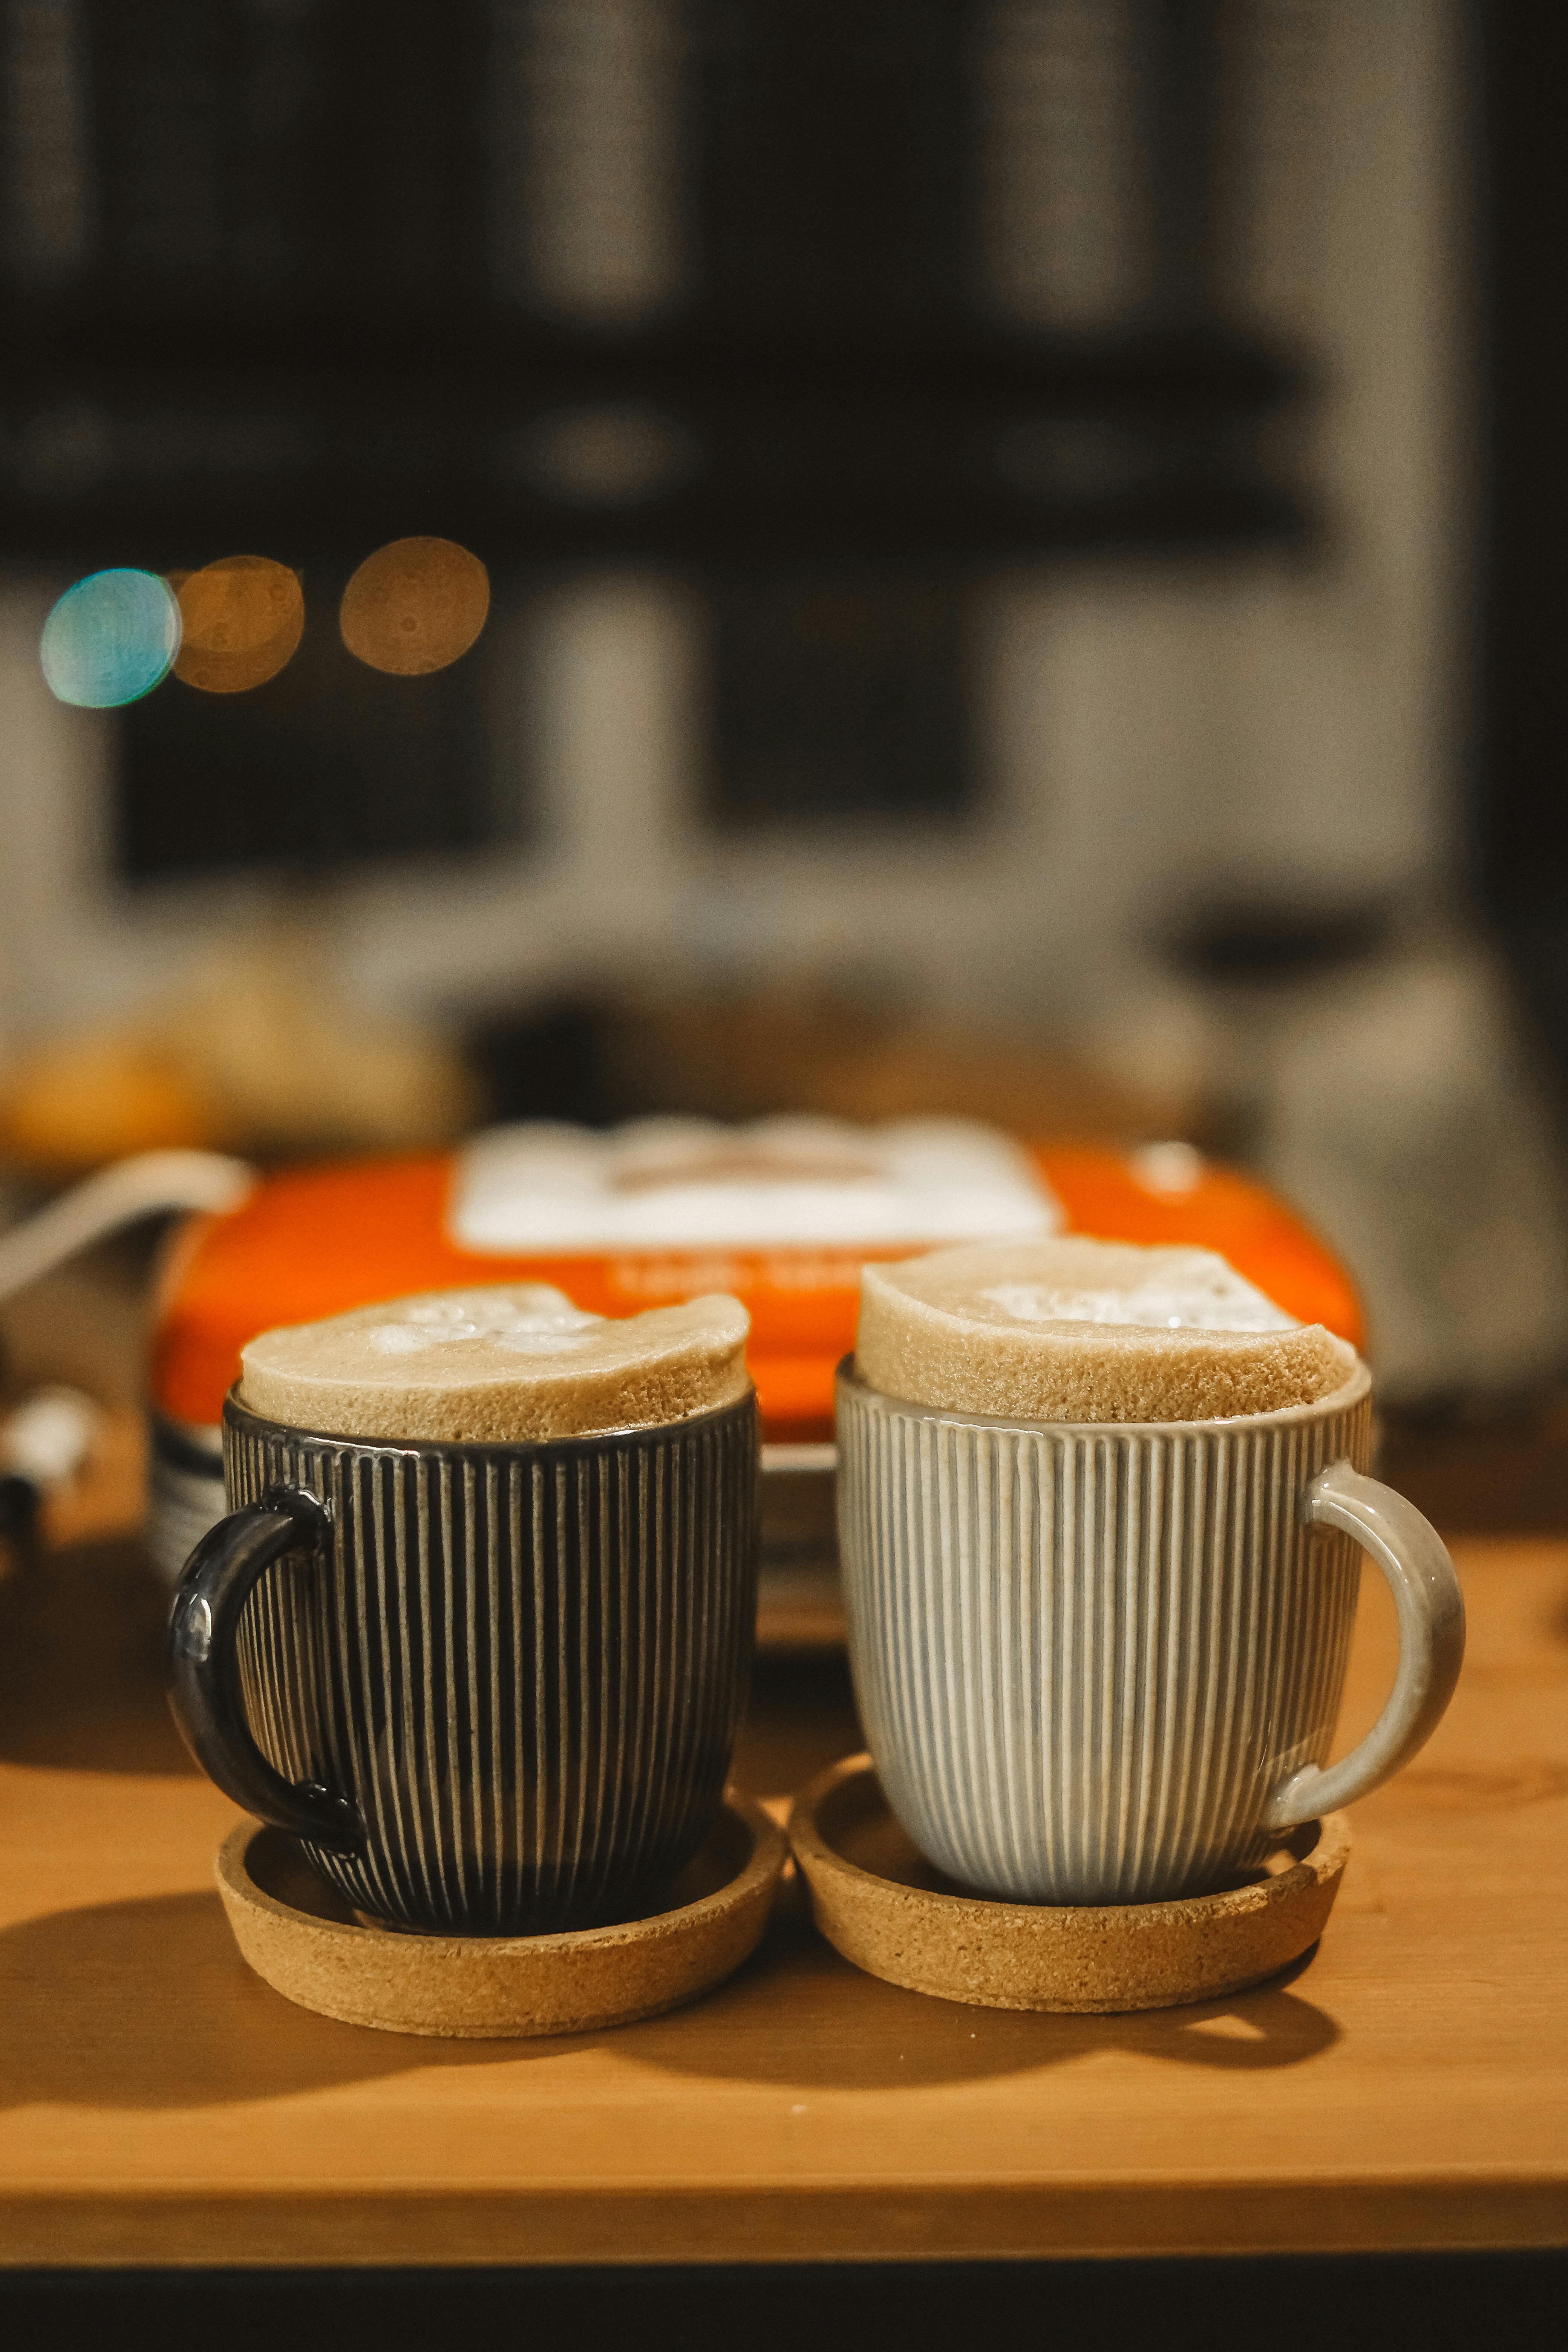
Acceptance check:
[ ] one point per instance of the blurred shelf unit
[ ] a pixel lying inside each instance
(828, 318)
(721, 283)
(683, 443)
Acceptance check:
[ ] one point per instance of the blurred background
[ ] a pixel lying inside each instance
(968, 555)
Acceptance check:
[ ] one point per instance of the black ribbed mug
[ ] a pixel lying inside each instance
(493, 1689)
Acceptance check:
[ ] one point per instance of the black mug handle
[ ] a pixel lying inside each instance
(203, 1666)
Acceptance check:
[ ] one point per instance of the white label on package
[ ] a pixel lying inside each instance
(545, 1191)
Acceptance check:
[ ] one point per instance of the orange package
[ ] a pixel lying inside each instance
(678, 1212)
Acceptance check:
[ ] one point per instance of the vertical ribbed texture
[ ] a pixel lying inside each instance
(524, 1666)
(1084, 1657)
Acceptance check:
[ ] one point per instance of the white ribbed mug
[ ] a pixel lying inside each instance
(1101, 1663)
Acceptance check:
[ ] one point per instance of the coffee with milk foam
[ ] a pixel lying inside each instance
(507, 1364)
(1077, 1330)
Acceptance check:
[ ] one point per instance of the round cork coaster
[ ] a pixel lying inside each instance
(298, 1936)
(884, 1907)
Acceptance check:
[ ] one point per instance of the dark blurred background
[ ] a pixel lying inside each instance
(1020, 536)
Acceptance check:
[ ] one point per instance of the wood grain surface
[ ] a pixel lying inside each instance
(1407, 2086)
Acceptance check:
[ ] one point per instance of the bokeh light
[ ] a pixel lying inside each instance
(415, 605)
(110, 639)
(243, 618)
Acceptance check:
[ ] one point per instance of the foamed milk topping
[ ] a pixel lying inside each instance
(510, 1363)
(1190, 1290)
(1080, 1330)
(537, 1321)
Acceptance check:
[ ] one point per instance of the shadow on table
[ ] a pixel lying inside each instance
(81, 1663)
(148, 2005)
(782, 2020)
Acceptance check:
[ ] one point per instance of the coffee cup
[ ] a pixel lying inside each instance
(1102, 1518)
(478, 1626)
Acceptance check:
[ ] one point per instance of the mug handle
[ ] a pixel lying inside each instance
(203, 1666)
(1420, 1575)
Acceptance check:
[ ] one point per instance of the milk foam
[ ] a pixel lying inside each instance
(1204, 1293)
(499, 1365)
(541, 1321)
(1073, 1329)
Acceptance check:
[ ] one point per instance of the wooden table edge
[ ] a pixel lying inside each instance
(806, 2222)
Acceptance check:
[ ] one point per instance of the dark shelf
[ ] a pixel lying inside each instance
(692, 446)
(275, 312)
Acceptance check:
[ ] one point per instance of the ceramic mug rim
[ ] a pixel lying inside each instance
(1351, 1393)
(239, 1416)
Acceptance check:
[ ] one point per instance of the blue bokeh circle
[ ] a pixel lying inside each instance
(110, 639)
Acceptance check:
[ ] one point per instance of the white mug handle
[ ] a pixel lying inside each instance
(1415, 1561)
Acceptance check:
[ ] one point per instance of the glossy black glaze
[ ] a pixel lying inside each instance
(204, 1674)
(519, 1667)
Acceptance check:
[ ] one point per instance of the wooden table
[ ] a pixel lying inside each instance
(1408, 2088)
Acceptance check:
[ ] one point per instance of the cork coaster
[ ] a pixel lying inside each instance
(299, 1936)
(884, 1907)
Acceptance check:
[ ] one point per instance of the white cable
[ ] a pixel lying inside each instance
(140, 1187)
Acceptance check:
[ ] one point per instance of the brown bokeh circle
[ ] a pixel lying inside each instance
(415, 605)
(241, 619)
